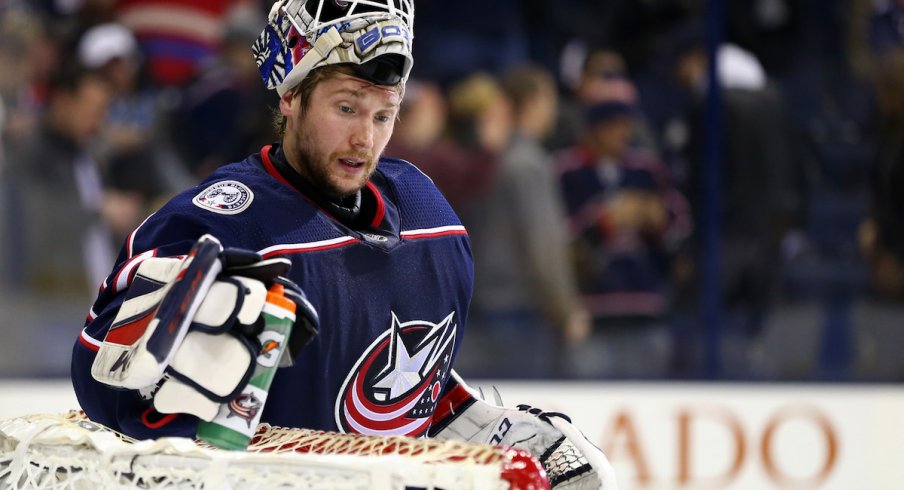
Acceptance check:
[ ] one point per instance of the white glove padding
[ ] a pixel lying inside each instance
(571, 461)
(210, 368)
(155, 315)
(209, 338)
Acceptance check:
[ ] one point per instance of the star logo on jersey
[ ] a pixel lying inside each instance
(394, 386)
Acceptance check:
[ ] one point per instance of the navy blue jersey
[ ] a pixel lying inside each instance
(392, 298)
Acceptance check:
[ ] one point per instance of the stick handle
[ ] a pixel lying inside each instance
(236, 422)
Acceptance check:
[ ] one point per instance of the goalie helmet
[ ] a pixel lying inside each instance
(301, 35)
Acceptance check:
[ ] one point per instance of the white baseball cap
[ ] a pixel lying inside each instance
(105, 42)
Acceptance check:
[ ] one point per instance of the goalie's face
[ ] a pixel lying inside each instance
(335, 142)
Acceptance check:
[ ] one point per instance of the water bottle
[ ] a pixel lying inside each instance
(237, 420)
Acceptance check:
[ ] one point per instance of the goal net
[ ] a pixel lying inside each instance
(68, 451)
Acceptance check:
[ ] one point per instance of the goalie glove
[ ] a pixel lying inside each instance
(186, 333)
(571, 461)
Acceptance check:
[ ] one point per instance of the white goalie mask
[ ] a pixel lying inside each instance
(301, 35)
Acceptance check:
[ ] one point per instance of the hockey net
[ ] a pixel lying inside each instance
(68, 451)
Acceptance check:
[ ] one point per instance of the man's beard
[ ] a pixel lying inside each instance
(315, 167)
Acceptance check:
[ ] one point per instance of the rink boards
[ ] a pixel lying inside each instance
(686, 436)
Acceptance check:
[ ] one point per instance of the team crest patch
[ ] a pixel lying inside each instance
(226, 197)
(394, 387)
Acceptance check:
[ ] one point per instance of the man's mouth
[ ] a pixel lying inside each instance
(352, 162)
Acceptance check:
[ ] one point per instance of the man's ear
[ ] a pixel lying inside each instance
(288, 103)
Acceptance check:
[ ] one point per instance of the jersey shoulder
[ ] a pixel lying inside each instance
(420, 202)
(240, 203)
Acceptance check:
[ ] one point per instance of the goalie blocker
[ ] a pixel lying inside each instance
(186, 333)
(571, 461)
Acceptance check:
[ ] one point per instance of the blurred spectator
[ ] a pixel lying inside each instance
(135, 169)
(882, 234)
(219, 117)
(759, 196)
(603, 76)
(804, 147)
(111, 50)
(29, 54)
(421, 122)
(626, 220)
(177, 38)
(834, 111)
(771, 30)
(525, 297)
(63, 245)
(463, 163)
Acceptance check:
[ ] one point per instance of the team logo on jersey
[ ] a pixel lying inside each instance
(226, 197)
(394, 387)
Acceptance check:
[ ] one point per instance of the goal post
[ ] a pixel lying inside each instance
(68, 451)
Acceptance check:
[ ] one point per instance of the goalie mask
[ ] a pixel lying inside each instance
(301, 35)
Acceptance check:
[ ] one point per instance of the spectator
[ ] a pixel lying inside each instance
(136, 170)
(463, 162)
(422, 120)
(882, 234)
(60, 244)
(177, 38)
(29, 53)
(219, 117)
(603, 76)
(626, 220)
(60, 192)
(525, 297)
(758, 193)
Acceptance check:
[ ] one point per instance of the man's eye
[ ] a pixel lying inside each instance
(384, 118)
(346, 109)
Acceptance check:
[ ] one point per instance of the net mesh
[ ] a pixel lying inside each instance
(68, 451)
(564, 462)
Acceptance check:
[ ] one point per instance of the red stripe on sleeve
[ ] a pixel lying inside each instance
(450, 403)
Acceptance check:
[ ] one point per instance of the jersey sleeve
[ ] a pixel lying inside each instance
(168, 233)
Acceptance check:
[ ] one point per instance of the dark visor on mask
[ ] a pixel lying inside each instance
(382, 70)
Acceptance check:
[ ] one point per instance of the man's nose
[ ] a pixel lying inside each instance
(363, 134)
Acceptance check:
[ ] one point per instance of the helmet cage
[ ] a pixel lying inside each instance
(302, 35)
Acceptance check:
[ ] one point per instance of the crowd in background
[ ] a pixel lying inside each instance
(576, 140)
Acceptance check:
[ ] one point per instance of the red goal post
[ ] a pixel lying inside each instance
(68, 451)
